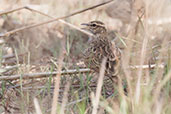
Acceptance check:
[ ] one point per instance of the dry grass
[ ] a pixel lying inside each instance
(146, 59)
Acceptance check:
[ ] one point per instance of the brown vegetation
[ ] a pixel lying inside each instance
(141, 29)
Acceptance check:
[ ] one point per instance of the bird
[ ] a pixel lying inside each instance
(100, 47)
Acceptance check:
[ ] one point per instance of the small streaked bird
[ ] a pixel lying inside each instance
(100, 47)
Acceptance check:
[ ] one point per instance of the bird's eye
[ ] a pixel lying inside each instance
(93, 25)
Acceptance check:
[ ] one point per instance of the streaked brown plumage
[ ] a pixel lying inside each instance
(99, 47)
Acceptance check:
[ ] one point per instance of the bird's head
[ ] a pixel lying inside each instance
(95, 27)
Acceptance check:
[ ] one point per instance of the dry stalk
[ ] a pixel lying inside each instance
(52, 20)
(10, 11)
(60, 20)
(65, 98)
(39, 12)
(57, 84)
(96, 99)
(142, 58)
(66, 72)
(44, 74)
(37, 106)
(160, 86)
(57, 81)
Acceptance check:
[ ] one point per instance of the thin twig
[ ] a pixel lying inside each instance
(11, 56)
(67, 72)
(146, 66)
(44, 74)
(60, 20)
(41, 13)
(52, 20)
(7, 68)
(10, 11)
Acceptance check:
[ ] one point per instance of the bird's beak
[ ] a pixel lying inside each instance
(85, 26)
